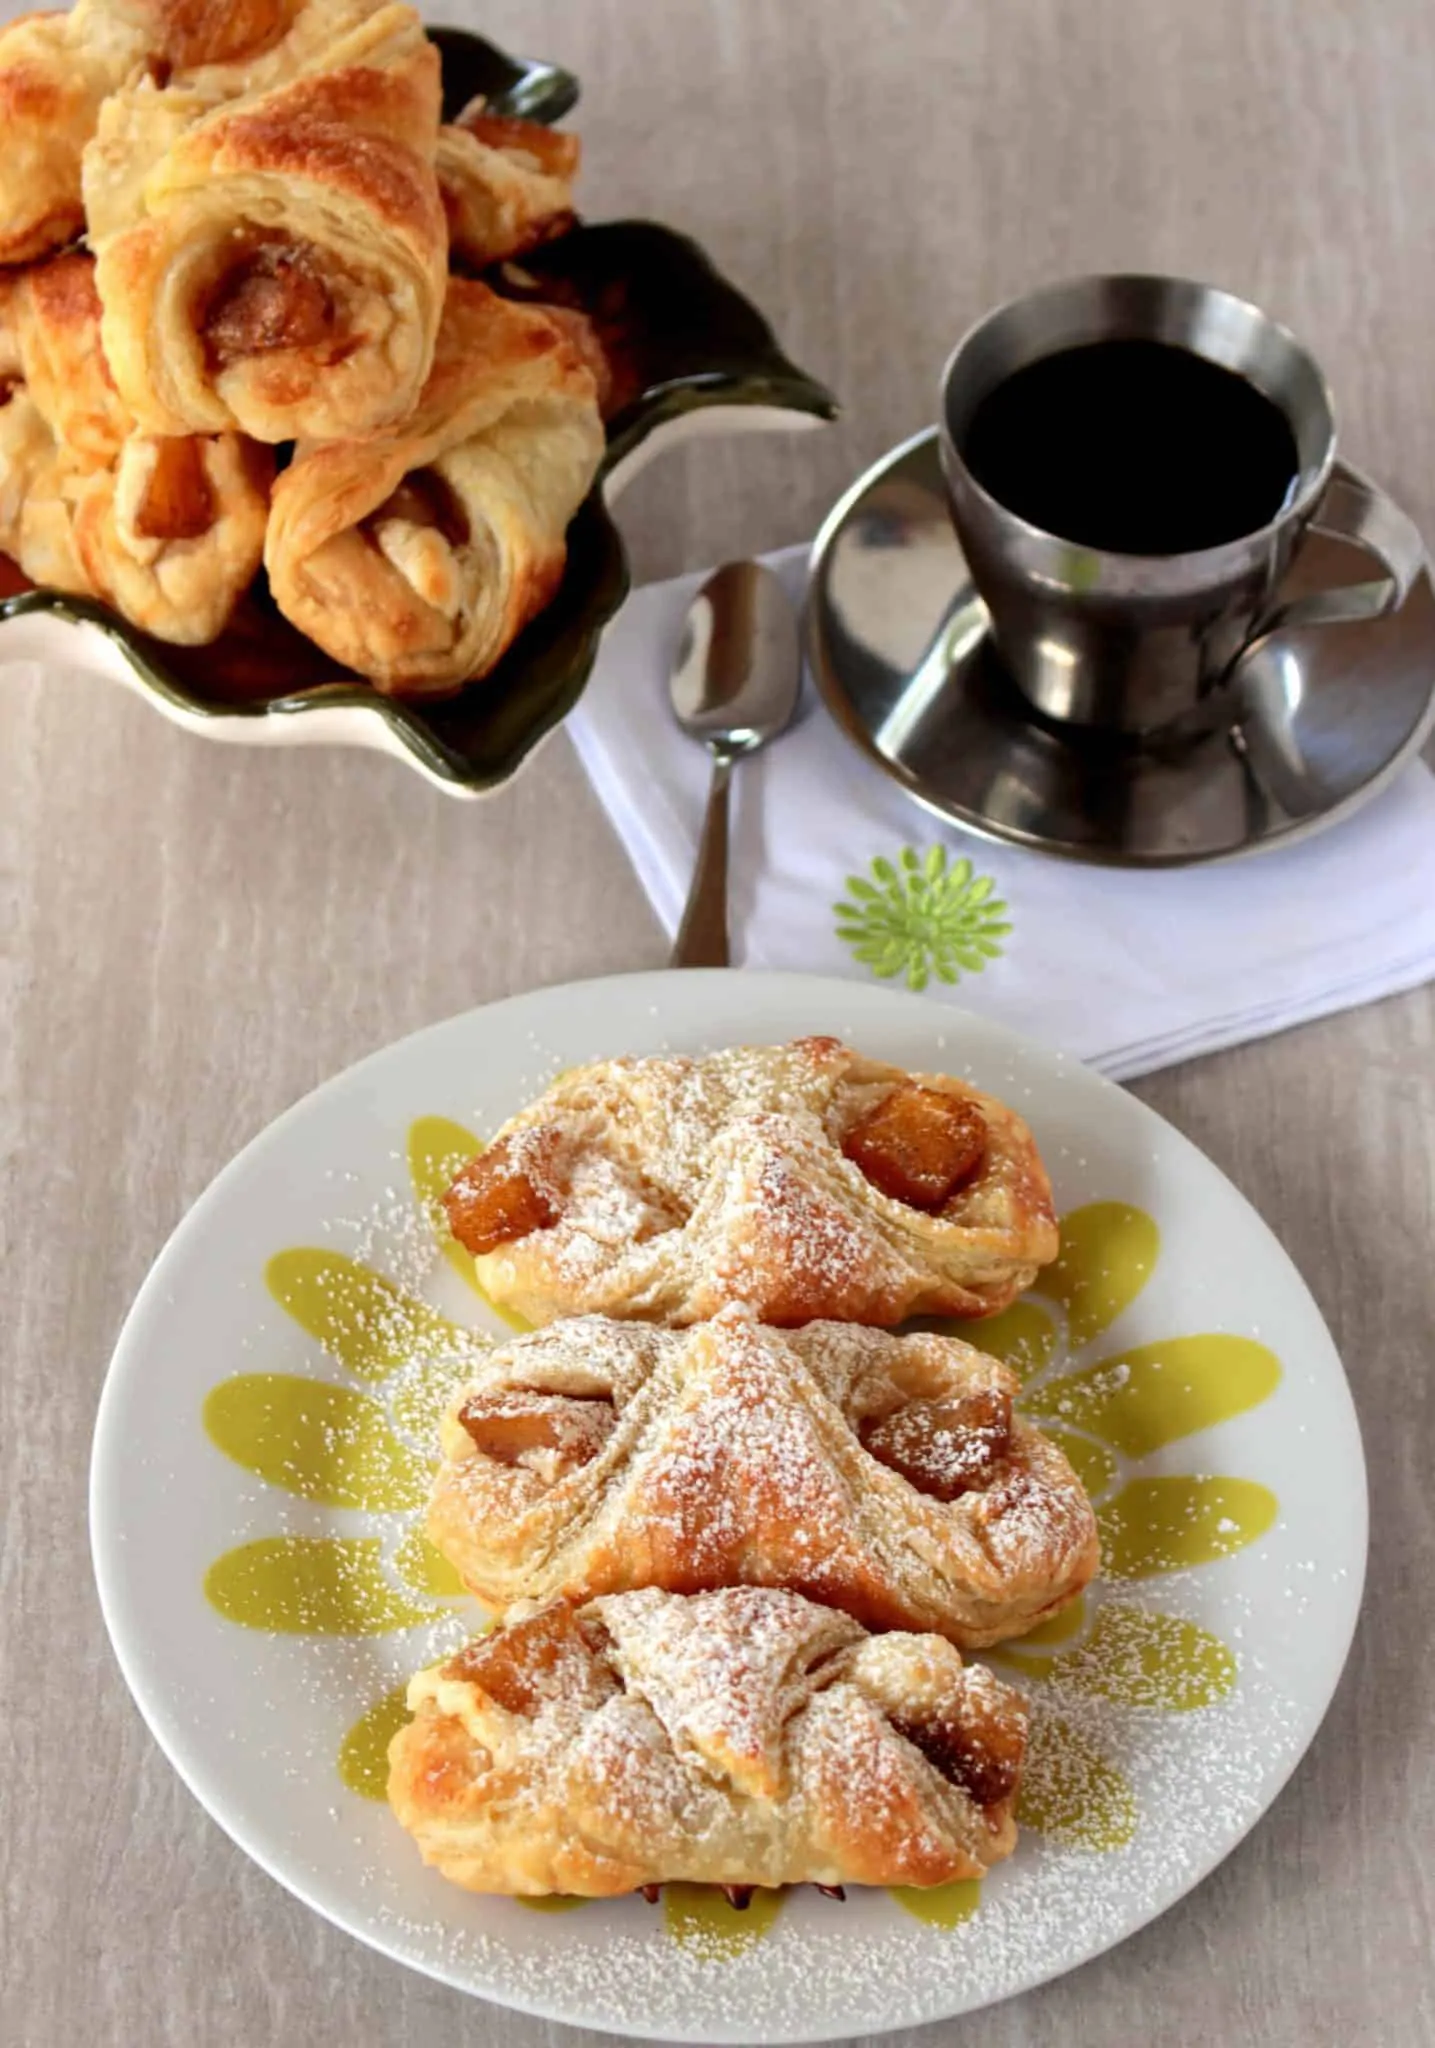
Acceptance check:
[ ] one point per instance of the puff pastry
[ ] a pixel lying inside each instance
(57, 69)
(507, 185)
(417, 555)
(276, 265)
(802, 1180)
(168, 531)
(883, 1475)
(744, 1737)
(50, 342)
(38, 487)
(172, 535)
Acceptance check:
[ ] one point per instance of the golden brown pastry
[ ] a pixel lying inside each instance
(742, 1738)
(169, 532)
(38, 489)
(51, 311)
(417, 555)
(276, 265)
(172, 535)
(177, 35)
(57, 69)
(507, 184)
(802, 1180)
(883, 1475)
(227, 48)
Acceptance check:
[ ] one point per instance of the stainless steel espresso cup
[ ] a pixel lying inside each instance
(1135, 642)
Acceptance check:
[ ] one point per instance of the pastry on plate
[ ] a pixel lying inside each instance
(169, 531)
(883, 1475)
(803, 1180)
(507, 184)
(417, 555)
(277, 264)
(743, 1738)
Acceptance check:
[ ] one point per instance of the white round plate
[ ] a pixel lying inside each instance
(1218, 1434)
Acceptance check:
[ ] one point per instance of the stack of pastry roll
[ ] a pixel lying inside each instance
(268, 199)
(690, 1518)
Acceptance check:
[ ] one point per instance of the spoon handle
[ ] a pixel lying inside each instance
(702, 936)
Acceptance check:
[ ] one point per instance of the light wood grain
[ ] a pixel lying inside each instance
(191, 937)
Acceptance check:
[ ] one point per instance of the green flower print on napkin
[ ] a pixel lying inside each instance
(921, 917)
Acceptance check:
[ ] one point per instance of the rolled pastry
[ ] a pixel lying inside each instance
(54, 73)
(416, 556)
(51, 316)
(57, 69)
(223, 57)
(740, 1738)
(38, 489)
(883, 1475)
(507, 185)
(168, 531)
(173, 534)
(277, 265)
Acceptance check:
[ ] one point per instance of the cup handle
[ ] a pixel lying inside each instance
(1355, 511)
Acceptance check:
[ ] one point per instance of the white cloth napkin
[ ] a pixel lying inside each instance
(1128, 971)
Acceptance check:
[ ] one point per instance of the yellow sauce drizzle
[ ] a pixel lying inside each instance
(306, 1585)
(361, 1319)
(1171, 1524)
(1022, 1336)
(1108, 1253)
(364, 1752)
(1070, 1793)
(1140, 1658)
(322, 1442)
(699, 1917)
(425, 1569)
(940, 1905)
(1139, 1400)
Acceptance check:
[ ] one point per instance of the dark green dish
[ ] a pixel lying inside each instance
(682, 338)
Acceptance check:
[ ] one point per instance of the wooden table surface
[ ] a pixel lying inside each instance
(191, 936)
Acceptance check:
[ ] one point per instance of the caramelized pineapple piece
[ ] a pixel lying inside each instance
(506, 1193)
(177, 503)
(944, 1448)
(919, 1146)
(550, 1434)
(523, 1663)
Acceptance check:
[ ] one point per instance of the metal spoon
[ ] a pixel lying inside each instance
(734, 686)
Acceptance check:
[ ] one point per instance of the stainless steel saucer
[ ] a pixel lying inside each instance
(897, 638)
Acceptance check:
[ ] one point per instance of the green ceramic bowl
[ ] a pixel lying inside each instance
(685, 341)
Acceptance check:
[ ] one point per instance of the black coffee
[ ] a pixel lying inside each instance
(1133, 446)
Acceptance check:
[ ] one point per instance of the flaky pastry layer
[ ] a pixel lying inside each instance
(744, 1737)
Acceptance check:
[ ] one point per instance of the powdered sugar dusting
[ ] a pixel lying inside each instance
(680, 1184)
(1199, 1781)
